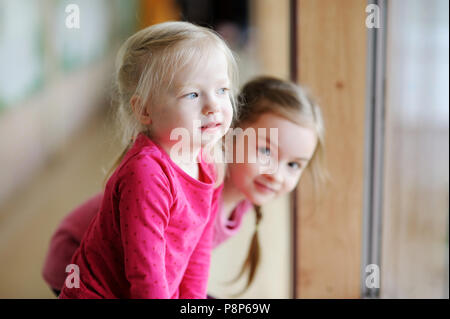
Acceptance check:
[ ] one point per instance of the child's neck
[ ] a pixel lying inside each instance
(231, 197)
(189, 167)
(192, 169)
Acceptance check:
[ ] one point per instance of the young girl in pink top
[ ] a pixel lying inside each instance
(152, 235)
(265, 103)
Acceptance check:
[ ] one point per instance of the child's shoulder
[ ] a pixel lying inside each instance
(142, 162)
(142, 171)
(143, 159)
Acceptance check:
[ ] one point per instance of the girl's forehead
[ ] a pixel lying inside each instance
(291, 139)
(268, 120)
(289, 120)
(211, 66)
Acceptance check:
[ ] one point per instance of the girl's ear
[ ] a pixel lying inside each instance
(139, 110)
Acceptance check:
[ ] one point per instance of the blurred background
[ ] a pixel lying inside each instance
(380, 74)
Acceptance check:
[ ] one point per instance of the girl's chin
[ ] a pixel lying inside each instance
(258, 199)
(210, 140)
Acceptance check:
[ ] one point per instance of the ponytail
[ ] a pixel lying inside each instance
(252, 261)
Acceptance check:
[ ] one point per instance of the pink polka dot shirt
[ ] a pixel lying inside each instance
(152, 236)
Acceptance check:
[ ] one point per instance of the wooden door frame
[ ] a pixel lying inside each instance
(328, 55)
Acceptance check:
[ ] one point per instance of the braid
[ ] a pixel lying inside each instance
(253, 256)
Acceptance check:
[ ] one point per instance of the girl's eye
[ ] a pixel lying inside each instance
(192, 95)
(222, 91)
(264, 150)
(294, 165)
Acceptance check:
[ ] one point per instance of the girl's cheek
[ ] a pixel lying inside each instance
(253, 169)
(228, 112)
(244, 176)
(292, 183)
(228, 122)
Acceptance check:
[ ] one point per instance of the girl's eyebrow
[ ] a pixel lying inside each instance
(181, 89)
(222, 81)
(267, 139)
(302, 159)
(183, 86)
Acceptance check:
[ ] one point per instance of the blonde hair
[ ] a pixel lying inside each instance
(147, 63)
(293, 102)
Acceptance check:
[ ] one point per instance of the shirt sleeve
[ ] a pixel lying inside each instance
(195, 280)
(144, 204)
(66, 240)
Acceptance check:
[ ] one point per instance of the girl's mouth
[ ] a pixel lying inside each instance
(210, 126)
(263, 188)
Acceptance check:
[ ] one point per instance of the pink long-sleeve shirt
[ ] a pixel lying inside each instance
(67, 237)
(152, 236)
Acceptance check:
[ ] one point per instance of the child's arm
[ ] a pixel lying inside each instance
(66, 240)
(145, 202)
(195, 280)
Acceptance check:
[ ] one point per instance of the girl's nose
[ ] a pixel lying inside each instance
(276, 177)
(211, 106)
